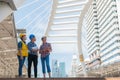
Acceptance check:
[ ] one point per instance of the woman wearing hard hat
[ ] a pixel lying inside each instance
(22, 53)
(33, 55)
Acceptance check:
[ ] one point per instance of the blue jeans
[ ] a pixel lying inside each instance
(43, 61)
(21, 63)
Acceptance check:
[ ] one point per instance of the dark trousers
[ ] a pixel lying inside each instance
(34, 59)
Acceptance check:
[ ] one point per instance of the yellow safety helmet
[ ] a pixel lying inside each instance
(21, 35)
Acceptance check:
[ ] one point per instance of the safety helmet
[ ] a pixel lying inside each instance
(21, 35)
(31, 36)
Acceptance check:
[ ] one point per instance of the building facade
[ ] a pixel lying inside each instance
(55, 68)
(58, 69)
(8, 39)
(109, 32)
(91, 23)
(62, 72)
(74, 65)
(8, 50)
(103, 32)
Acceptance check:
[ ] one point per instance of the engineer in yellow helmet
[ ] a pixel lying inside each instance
(22, 53)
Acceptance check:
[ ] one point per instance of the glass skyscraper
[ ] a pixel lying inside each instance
(62, 72)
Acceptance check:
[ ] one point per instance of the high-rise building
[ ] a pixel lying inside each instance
(118, 10)
(91, 23)
(103, 32)
(55, 68)
(74, 66)
(109, 31)
(62, 72)
(58, 69)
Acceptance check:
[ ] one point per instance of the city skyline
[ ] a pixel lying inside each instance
(58, 69)
(84, 35)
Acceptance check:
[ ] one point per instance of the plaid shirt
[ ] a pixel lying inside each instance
(43, 49)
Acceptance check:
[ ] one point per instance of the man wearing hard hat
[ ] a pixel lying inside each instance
(33, 55)
(22, 53)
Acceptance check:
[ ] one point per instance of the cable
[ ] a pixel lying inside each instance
(32, 12)
(27, 4)
(39, 21)
(36, 17)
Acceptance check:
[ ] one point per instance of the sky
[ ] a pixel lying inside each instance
(34, 17)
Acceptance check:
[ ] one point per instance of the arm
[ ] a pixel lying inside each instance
(30, 47)
(20, 49)
(49, 49)
(40, 50)
(35, 49)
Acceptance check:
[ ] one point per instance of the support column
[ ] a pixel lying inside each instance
(79, 32)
